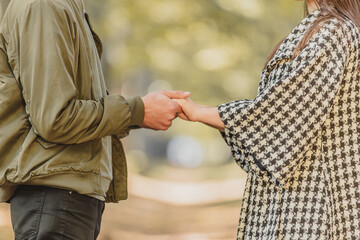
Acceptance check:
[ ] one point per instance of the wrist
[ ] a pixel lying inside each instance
(201, 113)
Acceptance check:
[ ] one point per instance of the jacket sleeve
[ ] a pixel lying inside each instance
(271, 134)
(47, 56)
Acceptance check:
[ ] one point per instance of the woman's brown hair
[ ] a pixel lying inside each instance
(340, 9)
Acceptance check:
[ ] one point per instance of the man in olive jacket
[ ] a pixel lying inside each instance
(60, 153)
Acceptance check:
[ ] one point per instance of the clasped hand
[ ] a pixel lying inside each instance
(161, 108)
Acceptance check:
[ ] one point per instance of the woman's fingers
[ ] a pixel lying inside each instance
(183, 116)
(188, 109)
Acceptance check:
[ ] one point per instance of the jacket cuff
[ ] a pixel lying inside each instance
(137, 111)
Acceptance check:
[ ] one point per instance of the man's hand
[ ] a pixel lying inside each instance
(160, 110)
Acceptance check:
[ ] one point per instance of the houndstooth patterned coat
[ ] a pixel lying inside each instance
(299, 139)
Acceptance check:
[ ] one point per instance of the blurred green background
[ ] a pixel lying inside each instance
(183, 183)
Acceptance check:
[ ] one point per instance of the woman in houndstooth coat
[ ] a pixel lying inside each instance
(299, 139)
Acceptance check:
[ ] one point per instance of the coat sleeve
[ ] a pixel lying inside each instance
(271, 134)
(47, 56)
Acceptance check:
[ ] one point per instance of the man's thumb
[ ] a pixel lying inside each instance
(176, 94)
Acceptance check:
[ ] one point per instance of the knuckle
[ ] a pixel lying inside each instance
(171, 116)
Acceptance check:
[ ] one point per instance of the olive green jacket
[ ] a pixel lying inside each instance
(56, 117)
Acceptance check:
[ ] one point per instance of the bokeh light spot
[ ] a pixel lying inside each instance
(183, 151)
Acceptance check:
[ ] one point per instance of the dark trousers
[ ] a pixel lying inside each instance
(43, 213)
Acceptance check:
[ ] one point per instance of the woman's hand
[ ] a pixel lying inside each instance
(191, 110)
(200, 113)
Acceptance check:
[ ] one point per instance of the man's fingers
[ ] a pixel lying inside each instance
(176, 107)
(179, 109)
(176, 94)
(179, 101)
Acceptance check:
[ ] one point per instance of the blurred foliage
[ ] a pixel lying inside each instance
(215, 49)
